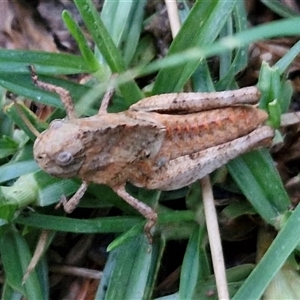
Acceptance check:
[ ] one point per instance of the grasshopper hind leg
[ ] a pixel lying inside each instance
(187, 169)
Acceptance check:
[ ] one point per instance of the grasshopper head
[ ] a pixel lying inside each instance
(59, 150)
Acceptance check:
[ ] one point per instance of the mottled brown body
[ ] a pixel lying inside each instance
(152, 145)
(133, 146)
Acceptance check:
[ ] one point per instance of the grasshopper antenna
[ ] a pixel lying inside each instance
(64, 94)
(26, 120)
(107, 96)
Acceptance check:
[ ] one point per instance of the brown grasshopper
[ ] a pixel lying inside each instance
(163, 142)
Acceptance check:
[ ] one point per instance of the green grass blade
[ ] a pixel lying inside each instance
(8, 146)
(240, 59)
(17, 61)
(284, 27)
(283, 245)
(97, 225)
(22, 193)
(132, 265)
(213, 15)
(15, 255)
(108, 49)
(124, 22)
(21, 84)
(288, 58)
(16, 110)
(279, 8)
(81, 41)
(196, 54)
(14, 170)
(259, 181)
(100, 35)
(195, 265)
(8, 293)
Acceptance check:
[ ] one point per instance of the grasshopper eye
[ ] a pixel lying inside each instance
(64, 158)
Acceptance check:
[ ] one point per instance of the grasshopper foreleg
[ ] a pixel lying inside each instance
(71, 204)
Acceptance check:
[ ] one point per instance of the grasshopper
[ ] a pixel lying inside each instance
(163, 142)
